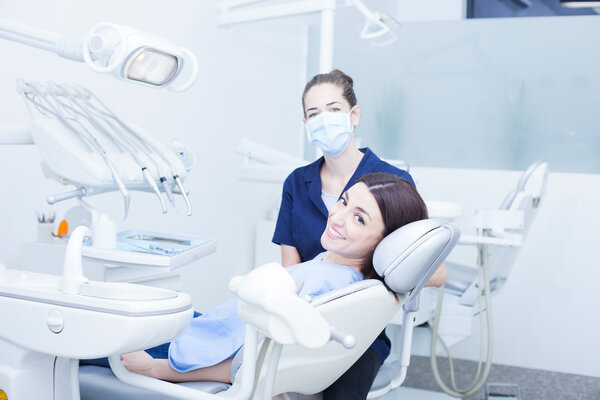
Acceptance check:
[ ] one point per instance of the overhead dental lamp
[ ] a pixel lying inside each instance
(121, 51)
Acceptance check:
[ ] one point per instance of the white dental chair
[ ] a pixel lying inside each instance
(406, 259)
(501, 233)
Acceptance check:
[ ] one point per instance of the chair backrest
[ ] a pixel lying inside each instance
(364, 313)
(532, 182)
(525, 197)
(406, 258)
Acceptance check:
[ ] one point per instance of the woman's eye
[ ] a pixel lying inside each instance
(359, 219)
(342, 200)
(334, 109)
(312, 114)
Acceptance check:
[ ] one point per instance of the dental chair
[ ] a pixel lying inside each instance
(499, 238)
(501, 234)
(309, 343)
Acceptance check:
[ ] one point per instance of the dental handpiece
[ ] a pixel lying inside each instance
(128, 147)
(167, 190)
(152, 184)
(85, 136)
(183, 193)
(148, 145)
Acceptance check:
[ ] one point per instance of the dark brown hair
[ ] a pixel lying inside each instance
(337, 78)
(399, 204)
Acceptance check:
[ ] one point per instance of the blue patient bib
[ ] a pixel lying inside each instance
(210, 339)
(217, 335)
(318, 277)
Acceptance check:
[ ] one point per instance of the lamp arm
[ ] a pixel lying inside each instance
(124, 52)
(364, 10)
(41, 39)
(28, 35)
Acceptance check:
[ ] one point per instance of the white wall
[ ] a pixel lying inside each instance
(546, 315)
(248, 86)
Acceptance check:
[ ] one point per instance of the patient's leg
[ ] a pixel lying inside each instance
(142, 363)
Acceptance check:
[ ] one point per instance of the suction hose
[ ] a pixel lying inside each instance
(479, 379)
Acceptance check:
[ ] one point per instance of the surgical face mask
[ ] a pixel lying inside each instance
(330, 131)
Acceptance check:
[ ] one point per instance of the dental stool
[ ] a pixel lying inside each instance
(353, 317)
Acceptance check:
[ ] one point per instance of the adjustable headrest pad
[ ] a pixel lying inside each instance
(407, 257)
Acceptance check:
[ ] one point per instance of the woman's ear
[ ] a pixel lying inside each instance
(355, 115)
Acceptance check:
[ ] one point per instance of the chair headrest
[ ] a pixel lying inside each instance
(407, 257)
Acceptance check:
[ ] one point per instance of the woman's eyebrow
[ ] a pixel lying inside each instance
(360, 209)
(328, 104)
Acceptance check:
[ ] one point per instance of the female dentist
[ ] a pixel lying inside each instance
(330, 114)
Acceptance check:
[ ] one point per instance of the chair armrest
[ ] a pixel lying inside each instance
(491, 240)
(499, 220)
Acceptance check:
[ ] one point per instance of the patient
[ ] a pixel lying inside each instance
(375, 206)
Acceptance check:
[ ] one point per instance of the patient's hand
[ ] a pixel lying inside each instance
(439, 277)
(138, 362)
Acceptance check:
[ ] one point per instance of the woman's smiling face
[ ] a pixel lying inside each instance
(354, 227)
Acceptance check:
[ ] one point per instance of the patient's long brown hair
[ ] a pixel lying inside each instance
(399, 204)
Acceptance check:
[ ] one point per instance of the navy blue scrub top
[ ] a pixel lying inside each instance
(303, 215)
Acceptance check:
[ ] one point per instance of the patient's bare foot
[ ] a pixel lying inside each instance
(139, 362)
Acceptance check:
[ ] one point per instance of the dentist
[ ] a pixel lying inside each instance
(331, 113)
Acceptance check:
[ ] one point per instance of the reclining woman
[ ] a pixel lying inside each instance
(372, 208)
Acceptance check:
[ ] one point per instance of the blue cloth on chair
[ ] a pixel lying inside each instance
(210, 339)
(217, 335)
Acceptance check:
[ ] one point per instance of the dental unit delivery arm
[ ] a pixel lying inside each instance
(81, 142)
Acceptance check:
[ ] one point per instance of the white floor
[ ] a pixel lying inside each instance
(403, 393)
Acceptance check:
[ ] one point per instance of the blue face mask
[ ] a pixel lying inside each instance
(330, 131)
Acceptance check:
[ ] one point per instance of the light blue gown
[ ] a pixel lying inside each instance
(217, 335)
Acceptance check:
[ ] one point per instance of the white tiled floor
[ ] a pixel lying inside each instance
(404, 393)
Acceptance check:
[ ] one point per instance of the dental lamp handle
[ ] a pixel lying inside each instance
(72, 271)
(347, 340)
